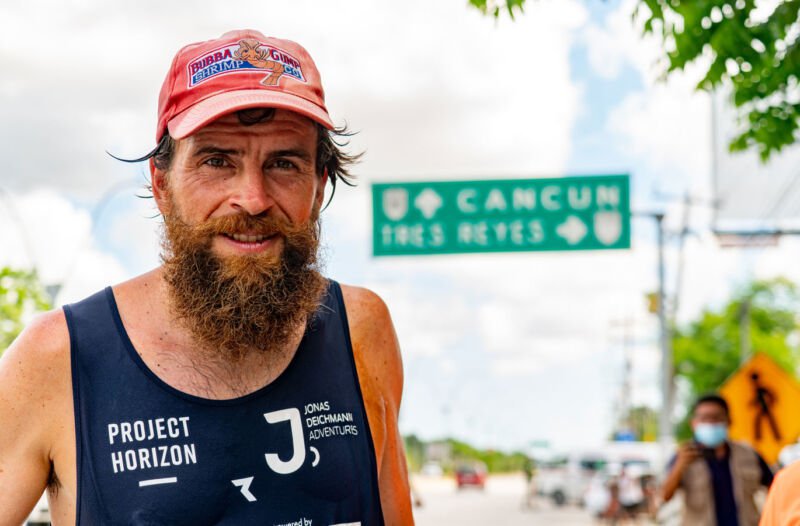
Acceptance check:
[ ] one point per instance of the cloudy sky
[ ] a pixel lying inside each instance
(499, 349)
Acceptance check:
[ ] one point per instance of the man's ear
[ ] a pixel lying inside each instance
(158, 184)
(320, 197)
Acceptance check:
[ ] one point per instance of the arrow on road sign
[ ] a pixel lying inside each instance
(573, 230)
(428, 202)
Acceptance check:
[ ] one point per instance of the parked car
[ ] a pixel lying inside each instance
(471, 474)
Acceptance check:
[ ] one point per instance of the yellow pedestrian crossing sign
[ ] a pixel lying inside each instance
(764, 402)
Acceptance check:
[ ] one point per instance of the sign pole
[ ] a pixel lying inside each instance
(744, 331)
(665, 418)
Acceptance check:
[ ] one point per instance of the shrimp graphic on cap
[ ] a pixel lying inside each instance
(250, 51)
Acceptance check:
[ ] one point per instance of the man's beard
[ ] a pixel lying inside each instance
(234, 305)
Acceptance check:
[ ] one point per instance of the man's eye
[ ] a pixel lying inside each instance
(215, 162)
(283, 164)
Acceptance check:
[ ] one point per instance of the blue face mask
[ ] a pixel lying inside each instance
(711, 435)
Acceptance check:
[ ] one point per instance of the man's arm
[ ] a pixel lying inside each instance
(32, 374)
(782, 507)
(380, 369)
(686, 455)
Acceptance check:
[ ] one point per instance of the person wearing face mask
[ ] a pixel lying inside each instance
(719, 477)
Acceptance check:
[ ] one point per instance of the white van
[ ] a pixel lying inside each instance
(567, 478)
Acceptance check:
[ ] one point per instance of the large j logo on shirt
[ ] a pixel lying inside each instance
(298, 444)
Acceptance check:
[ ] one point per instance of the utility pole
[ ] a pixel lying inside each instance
(744, 330)
(624, 420)
(665, 432)
(665, 420)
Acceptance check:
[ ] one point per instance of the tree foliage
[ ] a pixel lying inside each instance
(709, 350)
(415, 452)
(21, 295)
(642, 420)
(460, 452)
(495, 7)
(757, 55)
(758, 58)
(496, 461)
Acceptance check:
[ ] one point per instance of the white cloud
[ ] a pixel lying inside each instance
(668, 127)
(420, 322)
(449, 94)
(666, 124)
(54, 236)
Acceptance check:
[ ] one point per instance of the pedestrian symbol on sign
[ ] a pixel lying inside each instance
(764, 400)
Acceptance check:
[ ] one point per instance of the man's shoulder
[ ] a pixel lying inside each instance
(786, 482)
(37, 364)
(783, 506)
(44, 339)
(370, 322)
(372, 334)
(789, 475)
(364, 307)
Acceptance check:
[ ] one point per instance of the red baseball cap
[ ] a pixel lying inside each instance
(239, 70)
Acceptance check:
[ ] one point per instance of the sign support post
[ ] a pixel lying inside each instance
(665, 417)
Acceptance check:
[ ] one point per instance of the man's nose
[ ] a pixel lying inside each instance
(253, 194)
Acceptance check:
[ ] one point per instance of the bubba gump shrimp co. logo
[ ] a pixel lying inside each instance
(246, 56)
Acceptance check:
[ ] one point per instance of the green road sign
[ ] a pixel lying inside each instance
(508, 215)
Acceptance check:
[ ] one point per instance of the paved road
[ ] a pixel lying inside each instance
(500, 503)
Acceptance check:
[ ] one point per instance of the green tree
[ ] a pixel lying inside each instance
(643, 421)
(756, 55)
(496, 461)
(415, 452)
(709, 350)
(21, 295)
(494, 7)
(758, 58)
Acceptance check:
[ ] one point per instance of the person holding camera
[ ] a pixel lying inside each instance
(719, 477)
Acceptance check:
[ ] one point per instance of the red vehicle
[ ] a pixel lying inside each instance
(473, 474)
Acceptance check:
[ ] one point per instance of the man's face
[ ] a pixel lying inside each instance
(240, 205)
(709, 413)
(261, 170)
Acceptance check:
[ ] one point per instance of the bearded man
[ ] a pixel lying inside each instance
(234, 385)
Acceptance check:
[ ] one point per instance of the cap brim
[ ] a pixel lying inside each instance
(212, 108)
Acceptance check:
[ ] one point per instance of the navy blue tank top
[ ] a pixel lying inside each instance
(297, 452)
